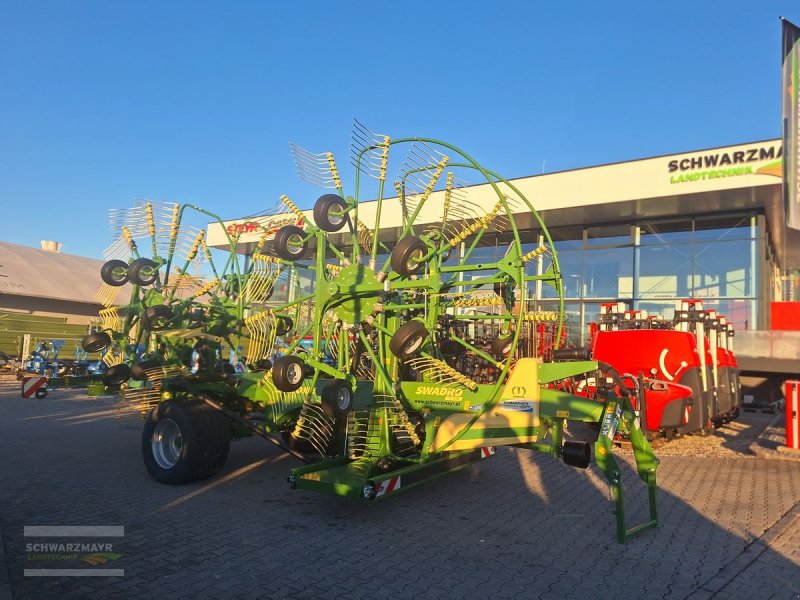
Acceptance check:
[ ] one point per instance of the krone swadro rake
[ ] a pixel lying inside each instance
(359, 371)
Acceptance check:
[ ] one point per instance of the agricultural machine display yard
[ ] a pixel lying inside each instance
(354, 374)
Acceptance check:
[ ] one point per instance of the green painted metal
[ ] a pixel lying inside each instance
(412, 416)
(618, 415)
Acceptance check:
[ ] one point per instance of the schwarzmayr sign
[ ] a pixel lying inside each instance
(715, 165)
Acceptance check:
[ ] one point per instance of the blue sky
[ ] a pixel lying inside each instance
(105, 102)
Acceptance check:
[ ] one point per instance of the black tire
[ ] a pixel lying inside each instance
(576, 454)
(96, 341)
(157, 317)
(408, 339)
(117, 374)
(41, 393)
(501, 347)
(404, 254)
(184, 441)
(264, 364)
(283, 325)
(337, 398)
(289, 242)
(143, 272)
(114, 272)
(288, 373)
(139, 370)
(330, 212)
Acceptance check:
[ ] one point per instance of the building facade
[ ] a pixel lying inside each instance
(706, 224)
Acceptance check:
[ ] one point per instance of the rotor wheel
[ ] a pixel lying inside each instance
(337, 398)
(407, 256)
(290, 243)
(139, 370)
(143, 272)
(96, 341)
(408, 339)
(117, 374)
(156, 317)
(114, 272)
(288, 373)
(330, 212)
(283, 325)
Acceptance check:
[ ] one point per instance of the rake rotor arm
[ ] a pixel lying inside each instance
(217, 405)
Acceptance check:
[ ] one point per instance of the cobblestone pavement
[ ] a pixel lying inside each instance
(520, 525)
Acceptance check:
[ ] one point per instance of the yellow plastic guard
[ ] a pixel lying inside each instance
(518, 408)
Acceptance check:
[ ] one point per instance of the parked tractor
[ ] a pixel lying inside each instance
(352, 376)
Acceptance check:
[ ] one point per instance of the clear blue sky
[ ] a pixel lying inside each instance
(193, 101)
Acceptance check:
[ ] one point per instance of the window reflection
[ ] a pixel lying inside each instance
(711, 258)
(723, 269)
(570, 265)
(608, 273)
(665, 271)
(665, 232)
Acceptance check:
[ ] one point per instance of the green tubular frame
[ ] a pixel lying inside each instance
(341, 474)
(353, 293)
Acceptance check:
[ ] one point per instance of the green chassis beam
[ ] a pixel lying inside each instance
(354, 478)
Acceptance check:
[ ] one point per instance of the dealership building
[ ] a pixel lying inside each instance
(706, 224)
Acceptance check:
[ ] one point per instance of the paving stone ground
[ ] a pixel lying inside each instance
(520, 525)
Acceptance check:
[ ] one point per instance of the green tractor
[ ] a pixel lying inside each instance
(357, 366)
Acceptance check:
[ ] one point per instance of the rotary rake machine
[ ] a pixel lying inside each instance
(355, 376)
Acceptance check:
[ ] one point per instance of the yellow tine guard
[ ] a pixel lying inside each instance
(334, 171)
(384, 157)
(291, 206)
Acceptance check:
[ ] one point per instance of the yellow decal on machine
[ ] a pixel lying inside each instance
(516, 410)
(523, 384)
(434, 390)
(440, 396)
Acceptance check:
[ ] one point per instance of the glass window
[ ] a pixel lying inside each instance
(724, 269)
(567, 238)
(591, 314)
(570, 266)
(609, 235)
(665, 271)
(481, 254)
(608, 273)
(665, 232)
(719, 228)
(572, 324)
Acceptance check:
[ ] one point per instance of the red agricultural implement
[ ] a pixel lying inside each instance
(688, 364)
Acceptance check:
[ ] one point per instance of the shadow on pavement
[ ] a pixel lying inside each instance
(520, 525)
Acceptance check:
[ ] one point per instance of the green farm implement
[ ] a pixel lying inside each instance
(341, 339)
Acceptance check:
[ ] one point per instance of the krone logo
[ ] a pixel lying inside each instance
(518, 391)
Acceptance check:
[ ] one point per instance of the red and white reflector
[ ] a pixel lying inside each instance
(488, 451)
(31, 385)
(387, 486)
